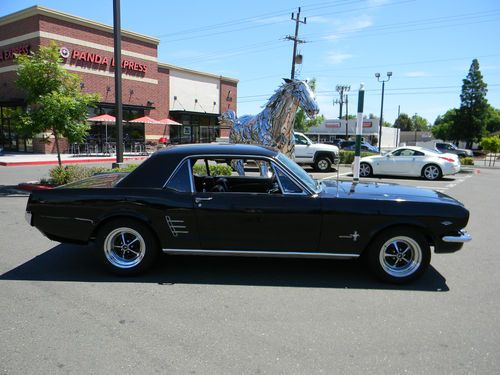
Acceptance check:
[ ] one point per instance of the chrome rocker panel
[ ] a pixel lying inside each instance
(277, 254)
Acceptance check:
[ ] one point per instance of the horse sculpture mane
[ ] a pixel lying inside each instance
(273, 126)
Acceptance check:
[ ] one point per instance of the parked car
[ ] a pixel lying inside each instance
(450, 148)
(365, 147)
(175, 202)
(410, 161)
(319, 155)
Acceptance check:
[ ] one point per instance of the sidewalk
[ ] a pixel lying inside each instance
(20, 159)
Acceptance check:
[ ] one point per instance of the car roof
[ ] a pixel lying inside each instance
(154, 171)
(217, 149)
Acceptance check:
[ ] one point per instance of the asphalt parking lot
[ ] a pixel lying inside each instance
(62, 313)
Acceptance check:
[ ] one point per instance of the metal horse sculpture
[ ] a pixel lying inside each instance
(273, 127)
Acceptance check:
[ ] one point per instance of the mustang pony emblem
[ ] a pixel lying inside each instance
(353, 236)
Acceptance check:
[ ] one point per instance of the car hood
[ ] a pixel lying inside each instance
(383, 191)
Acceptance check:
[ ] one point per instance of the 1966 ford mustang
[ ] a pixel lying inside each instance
(188, 200)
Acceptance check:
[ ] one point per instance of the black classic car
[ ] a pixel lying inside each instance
(188, 200)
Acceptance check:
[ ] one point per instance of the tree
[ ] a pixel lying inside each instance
(302, 123)
(419, 123)
(444, 126)
(404, 122)
(492, 119)
(55, 101)
(491, 144)
(470, 124)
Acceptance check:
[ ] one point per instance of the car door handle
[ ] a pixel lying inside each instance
(200, 199)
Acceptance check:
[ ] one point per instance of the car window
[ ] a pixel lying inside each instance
(286, 183)
(298, 171)
(181, 179)
(300, 140)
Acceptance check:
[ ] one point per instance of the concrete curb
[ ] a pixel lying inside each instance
(66, 161)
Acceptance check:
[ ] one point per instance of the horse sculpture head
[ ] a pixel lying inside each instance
(302, 92)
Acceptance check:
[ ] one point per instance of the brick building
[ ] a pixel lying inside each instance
(152, 88)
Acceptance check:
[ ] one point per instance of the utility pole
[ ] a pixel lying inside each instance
(346, 117)
(295, 39)
(341, 89)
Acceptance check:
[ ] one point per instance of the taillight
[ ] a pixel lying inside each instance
(447, 159)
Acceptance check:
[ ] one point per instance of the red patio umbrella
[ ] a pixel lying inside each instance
(104, 118)
(146, 120)
(168, 121)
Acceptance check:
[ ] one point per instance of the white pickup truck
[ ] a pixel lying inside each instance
(319, 155)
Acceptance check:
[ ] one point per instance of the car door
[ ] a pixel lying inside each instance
(303, 151)
(284, 221)
(400, 162)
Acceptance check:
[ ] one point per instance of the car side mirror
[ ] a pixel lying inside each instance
(388, 155)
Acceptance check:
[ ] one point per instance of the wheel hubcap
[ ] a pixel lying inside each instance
(364, 170)
(124, 247)
(400, 256)
(322, 164)
(431, 173)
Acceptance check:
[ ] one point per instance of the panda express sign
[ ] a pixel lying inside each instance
(73, 57)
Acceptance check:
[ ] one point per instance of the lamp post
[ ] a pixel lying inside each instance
(389, 74)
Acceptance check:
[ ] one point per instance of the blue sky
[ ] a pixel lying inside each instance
(428, 45)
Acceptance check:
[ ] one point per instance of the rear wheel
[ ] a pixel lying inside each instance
(365, 170)
(399, 255)
(432, 172)
(126, 246)
(323, 164)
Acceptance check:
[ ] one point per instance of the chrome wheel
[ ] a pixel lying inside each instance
(124, 247)
(400, 256)
(432, 172)
(365, 170)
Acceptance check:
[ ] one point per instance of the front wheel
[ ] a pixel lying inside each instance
(432, 172)
(126, 246)
(322, 164)
(399, 255)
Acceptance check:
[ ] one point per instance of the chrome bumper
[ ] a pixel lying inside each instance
(463, 237)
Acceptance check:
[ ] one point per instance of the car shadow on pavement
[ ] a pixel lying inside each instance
(79, 264)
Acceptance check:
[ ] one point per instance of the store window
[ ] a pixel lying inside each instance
(11, 137)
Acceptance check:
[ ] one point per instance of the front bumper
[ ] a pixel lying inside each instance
(462, 237)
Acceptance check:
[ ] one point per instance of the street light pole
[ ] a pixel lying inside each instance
(389, 74)
(118, 81)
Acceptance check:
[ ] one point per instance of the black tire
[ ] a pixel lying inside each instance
(398, 255)
(365, 170)
(134, 256)
(323, 164)
(432, 172)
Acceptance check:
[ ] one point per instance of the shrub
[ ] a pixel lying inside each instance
(347, 157)
(65, 174)
(215, 170)
(126, 168)
(467, 161)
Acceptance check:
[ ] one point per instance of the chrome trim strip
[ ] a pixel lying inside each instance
(249, 253)
(463, 237)
(83, 219)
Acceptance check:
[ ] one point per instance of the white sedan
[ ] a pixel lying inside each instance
(410, 161)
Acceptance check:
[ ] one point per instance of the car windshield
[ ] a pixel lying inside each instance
(299, 172)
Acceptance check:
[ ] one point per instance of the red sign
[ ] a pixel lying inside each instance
(332, 125)
(367, 124)
(8, 54)
(95, 58)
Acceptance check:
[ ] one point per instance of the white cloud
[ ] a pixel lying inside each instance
(270, 20)
(416, 74)
(335, 57)
(318, 19)
(349, 26)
